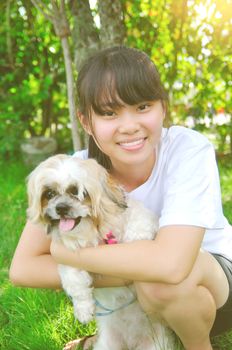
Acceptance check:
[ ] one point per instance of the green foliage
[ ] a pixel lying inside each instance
(32, 89)
(190, 41)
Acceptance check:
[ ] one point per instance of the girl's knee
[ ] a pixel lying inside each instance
(156, 296)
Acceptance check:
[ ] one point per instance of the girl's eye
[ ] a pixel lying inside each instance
(108, 114)
(143, 107)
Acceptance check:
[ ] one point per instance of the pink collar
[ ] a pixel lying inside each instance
(110, 238)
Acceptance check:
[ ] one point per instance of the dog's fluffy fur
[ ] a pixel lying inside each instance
(78, 203)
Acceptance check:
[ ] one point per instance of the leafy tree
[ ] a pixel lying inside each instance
(30, 78)
(190, 41)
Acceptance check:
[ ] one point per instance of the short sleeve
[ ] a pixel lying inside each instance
(192, 193)
(81, 154)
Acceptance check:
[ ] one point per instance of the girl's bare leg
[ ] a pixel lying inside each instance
(189, 308)
(196, 315)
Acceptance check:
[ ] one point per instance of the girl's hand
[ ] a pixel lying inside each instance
(61, 254)
(65, 256)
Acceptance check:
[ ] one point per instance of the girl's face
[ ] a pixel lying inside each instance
(128, 135)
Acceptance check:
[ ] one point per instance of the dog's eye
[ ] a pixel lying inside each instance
(73, 190)
(49, 194)
(85, 193)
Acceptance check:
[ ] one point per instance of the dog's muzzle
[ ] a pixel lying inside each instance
(64, 220)
(62, 209)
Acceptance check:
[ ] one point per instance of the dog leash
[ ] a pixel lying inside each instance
(111, 239)
(108, 311)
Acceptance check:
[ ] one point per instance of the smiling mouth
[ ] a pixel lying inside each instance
(132, 144)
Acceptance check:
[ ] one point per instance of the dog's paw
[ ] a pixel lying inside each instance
(84, 311)
(83, 315)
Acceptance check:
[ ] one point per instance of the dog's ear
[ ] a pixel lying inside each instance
(115, 192)
(107, 197)
(34, 196)
(92, 183)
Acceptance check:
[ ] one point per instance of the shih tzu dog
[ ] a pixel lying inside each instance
(80, 205)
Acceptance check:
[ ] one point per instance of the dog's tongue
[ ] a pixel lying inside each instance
(66, 224)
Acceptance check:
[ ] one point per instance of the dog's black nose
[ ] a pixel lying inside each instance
(62, 209)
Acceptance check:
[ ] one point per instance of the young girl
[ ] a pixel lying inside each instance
(185, 275)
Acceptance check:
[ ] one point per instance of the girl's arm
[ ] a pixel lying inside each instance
(33, 265)
(168, 259)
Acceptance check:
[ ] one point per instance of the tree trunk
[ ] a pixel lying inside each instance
(8, 35)
(71, 94)
(112, 23)
(84, 35)
(62, 30)
(60, 22)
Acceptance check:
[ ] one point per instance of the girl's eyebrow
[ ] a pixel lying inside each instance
(112, 105)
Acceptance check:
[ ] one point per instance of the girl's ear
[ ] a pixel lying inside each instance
(84, 122)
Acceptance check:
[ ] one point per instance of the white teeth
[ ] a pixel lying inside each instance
(133, 143)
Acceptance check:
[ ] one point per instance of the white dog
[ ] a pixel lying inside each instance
(80, 205)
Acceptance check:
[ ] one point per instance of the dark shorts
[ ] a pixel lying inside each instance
(223, 321)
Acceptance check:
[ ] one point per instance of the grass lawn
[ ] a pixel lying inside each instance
(36, 319)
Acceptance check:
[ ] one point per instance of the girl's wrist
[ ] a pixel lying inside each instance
(64, 256)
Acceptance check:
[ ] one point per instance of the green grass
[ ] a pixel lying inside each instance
(36, 319)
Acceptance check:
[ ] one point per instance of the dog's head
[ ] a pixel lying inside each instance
(64, 189)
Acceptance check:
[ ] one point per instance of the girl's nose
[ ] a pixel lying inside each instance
(128, 125)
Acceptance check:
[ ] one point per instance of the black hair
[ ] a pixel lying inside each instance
(112, 77)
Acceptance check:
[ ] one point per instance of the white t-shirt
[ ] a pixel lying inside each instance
(184, 187)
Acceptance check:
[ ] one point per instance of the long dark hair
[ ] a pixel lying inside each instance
(114, 76)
